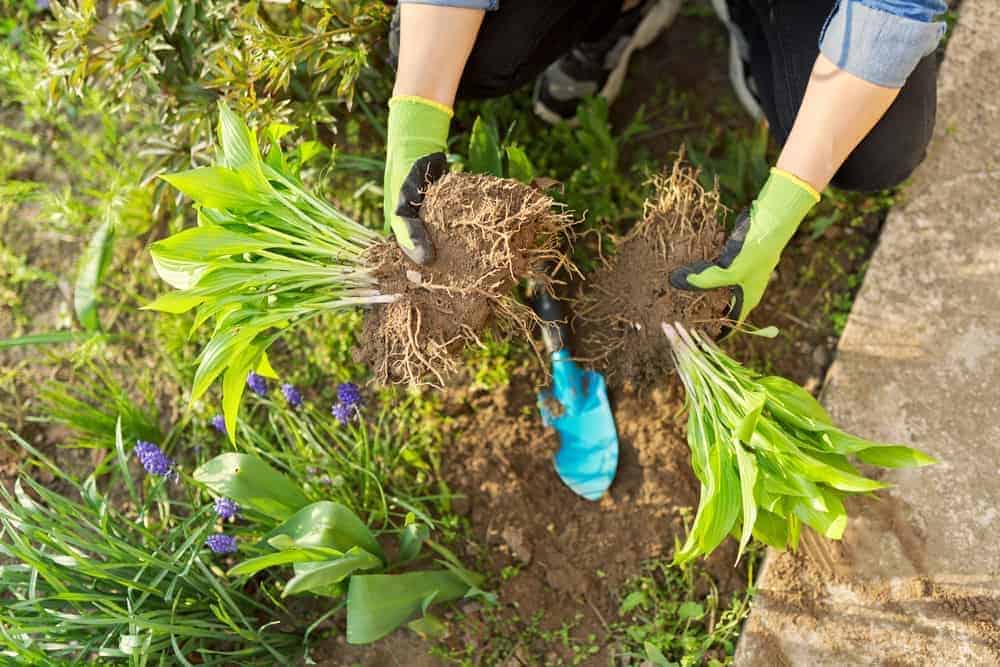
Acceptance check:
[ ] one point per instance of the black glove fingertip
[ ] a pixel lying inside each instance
(679, 277)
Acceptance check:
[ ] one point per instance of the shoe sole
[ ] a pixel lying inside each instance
(655, 22)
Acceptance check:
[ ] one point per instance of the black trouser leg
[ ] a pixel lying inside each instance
(524, 37)
(784, 41)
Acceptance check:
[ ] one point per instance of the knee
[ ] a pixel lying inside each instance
(880, 168)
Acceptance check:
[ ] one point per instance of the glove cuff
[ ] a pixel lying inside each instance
(417, 127)
(785, 199)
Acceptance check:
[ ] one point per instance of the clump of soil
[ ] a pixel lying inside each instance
(618, 315)
(488, 234)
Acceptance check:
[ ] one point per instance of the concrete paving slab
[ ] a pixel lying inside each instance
(916, 580)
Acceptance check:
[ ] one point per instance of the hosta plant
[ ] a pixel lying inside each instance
(265, 256)
(767, 454)
(332, 553)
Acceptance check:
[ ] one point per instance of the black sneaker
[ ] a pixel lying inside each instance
(598, 68)
(739, 61)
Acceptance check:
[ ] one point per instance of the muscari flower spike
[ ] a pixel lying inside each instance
(221, 543)
(226, 508)
(292, 395)
(343, 412)
(257, 384)
(349, 394)
(219, 424)
(153, 459)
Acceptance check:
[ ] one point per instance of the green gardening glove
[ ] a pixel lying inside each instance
(418, 136)
(753, 248)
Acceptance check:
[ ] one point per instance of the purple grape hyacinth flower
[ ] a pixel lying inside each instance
(257, 384)
(153, 459)
(219, 424)
(343, 412)
(221, 543)
(226, 508)
(292, 395)
(349, 394)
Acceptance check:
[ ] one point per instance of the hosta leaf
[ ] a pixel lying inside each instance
(748, 479)
(328, 524)
(174, 302)
(839, 479)
(253, 483)
(771, 529)
(484, 149)
(794, 399)
(377, 604)
(519, 167)
(754, 404)
(895, 456)
(234, 384)
(321, 576)
(223, 350)
(237, 142)
(208, 242)
(216, 187)
(830, 524)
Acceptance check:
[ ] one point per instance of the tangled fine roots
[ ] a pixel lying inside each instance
(618, 313)
(488, 234)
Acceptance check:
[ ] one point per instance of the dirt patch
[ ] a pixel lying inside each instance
(572, 556)
(488, 234)
(617, 317)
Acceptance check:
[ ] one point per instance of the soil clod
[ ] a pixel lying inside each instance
(488, 234)
(620, 309)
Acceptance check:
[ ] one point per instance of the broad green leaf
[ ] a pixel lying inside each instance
(633, 600)
(748, 479)
(771, 529)
(93, 263)
(377, 604)
(237, 141)
(753, 404)
(288, 556)
(411, 541)
(484, 149)
(839, 479)
(209, 242)
(898, 456)
(321, 576)
(234, 384)
(794, 399)
(309, 150)
(253, 483)
(831, 523)
(180, 274)
(174, 302)
(519, 167)
(328, 524)
(218, 187)
(224, 349)
(265, 369)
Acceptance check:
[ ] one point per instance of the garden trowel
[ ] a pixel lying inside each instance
(577, 408)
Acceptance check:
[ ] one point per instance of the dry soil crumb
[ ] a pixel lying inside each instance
(617, 317)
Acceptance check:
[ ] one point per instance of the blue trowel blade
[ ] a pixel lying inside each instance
(587, 458)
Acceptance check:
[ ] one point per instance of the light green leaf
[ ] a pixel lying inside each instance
(794, 399)
(288, 556)
(320, 577)
(218, 187)
(690, 610)
(234, 384)
(237, 141)
(411, 541)
(328, 524)
(93, 264)
(753, 405)
(771, 529)
(633, 600)
(224, 349)
(895, 456)
(748, 479)
(174, 302)
(252, 483)
(377, 604)
(655, 655)
(484, 149)
(265, 369)
(519, 167)
(428, 626)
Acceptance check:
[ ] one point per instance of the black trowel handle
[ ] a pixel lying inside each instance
(555, 333)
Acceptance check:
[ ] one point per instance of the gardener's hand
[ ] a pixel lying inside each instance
(752, 250)
(418, 135)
